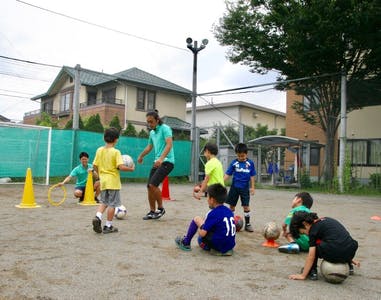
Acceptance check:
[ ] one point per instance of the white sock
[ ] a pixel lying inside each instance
(108, 223)
(99, 215)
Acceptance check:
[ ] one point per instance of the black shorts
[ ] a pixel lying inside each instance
(157, 175)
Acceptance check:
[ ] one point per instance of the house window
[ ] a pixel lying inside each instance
(47, 106)
(151, 99)
(146, 100)
(375, 152)
(311, 102)
(314, 155)
(109, 95)
(141, 100)
(365, 152)
(65, 101)
(91, 98)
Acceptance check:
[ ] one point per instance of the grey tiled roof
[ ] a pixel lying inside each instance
(133, 76)
(176, 123)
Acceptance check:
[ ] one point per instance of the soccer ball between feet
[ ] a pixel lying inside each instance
(334, 272)
(120, 212)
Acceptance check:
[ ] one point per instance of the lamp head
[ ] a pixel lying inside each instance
(189, 41)
(205, 42)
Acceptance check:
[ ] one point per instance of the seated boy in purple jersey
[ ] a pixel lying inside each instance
(217, 231)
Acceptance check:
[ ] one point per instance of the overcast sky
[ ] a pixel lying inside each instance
(147, 34)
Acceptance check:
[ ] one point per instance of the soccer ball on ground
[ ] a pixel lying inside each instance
(334, 272)
(127, 160)
(271, 231)
(238, 222)
(120, 212)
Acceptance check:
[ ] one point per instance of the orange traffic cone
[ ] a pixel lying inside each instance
(165, 190)
(89, 191)
(270, 244)
(28, 196)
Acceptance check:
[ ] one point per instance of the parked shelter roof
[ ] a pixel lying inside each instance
(281, 141)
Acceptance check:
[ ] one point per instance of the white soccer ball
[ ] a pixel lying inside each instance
(127, 160)
(334, 273)
(271, 231)
(120, 212)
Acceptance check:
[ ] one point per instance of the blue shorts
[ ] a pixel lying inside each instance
(235, 193)
(205, 242)
(157, 175)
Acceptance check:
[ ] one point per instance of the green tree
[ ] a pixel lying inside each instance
(143, 134)
(116, 123)
(310, 39)
(69, 124)
(94, 124)
(130, 130)
(46, 120)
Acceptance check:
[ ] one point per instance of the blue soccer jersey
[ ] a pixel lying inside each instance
(219, 223)
(241, 171)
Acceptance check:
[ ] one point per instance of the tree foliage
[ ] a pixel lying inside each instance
(94, 124)
(130, 130)
(69, 124)
(115, 122)
(230, 133)
(316, 40)
(46, 120)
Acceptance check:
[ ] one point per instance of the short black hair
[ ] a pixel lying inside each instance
(307, 200)
(82, 154)
(111, 134)
(297, 221)
(212, 148)
(241, 148)
(218, 192)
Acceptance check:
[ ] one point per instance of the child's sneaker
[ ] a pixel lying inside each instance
(110, 229)
(180, 243)
(292, 248)
(97, 225)
(351, 270)
(313, 275)
(218, 253)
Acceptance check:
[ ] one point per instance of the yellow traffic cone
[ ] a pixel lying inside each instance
(28, 196)
(89, 191)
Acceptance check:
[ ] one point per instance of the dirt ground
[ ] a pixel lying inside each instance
(51, 252)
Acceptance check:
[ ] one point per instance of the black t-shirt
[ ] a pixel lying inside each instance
(332, 239)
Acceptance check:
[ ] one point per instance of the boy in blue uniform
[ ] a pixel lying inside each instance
(217, 231)
(243, 171)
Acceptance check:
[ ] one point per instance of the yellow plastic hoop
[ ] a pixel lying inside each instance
(50, 198)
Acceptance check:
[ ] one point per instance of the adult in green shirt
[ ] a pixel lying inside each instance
(160, 140)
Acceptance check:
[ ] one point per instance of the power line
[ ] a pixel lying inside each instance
(16, 92)
(29, 62)
(270, 83)
(21, 97)
(102, 26)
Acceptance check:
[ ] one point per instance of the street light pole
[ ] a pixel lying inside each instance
(192, 45)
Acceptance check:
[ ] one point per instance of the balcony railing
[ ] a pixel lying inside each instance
(81, 105)
(101, 101)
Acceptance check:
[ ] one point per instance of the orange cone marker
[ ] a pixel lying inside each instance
(28, 196)
(165, 189)
(270, 244)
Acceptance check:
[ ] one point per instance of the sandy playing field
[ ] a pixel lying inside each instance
(52, 252)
